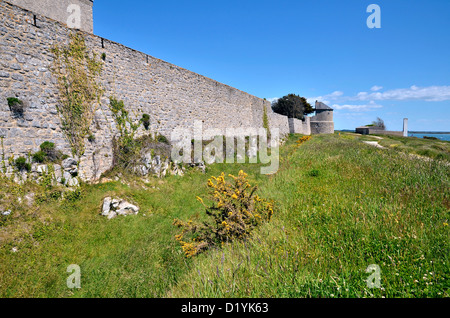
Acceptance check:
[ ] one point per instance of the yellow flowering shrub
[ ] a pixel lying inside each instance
(235, 212)
(302, 140)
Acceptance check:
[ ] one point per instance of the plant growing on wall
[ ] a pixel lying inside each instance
(126, 148)
(125, 124)
(22, 164)
(16, 106)
(146, 121)
(48, 153)
(266, 122)
(76, 70)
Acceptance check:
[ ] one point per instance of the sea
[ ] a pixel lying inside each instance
(441, 136)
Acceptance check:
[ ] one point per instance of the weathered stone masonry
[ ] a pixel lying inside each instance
(172, 96)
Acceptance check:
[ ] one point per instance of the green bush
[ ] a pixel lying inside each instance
(22, 164)
(47, 146)
(39, 157)
(146, 121)
(162, 139)
(73, 196)
(50, 151)
(235, 213)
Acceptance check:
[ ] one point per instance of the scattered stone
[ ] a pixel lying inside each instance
(72, 182)
(147, 160)
(6, 213)
(202, 167)
(58, 172)
(156, 165)
(164, 168)
(115, 207)
(70, 165)
(126, 208)
(42, 169)
(106, 209)
(177, 171)
(115, 203)
(66, 176)
(112, 215)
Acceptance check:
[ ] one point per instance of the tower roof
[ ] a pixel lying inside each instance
(322, 106)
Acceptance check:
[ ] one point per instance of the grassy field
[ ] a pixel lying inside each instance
(341, 206)
(434, 149)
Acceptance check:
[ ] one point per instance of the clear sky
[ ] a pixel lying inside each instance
(319, 49)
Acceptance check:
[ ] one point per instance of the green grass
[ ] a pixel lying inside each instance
(340, 207)
(434, 149)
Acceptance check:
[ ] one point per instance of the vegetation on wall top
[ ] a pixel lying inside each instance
(293, 106)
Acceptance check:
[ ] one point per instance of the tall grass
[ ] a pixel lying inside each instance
(366, 206)
(340, 207)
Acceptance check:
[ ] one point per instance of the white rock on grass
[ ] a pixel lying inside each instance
(42, 169)
(72, 182)
(112, 215)
(115, 203)
(106, 206)
(114, 207)
(126, 208)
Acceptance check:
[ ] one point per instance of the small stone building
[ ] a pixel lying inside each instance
(373, 130)
(323, 121)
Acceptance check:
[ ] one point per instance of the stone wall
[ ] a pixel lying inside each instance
(322, 127)
(173, 97)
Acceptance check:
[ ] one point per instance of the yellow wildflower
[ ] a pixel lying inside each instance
(200, 200)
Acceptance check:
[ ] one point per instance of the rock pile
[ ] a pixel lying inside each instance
(65, 174)
(113, 207)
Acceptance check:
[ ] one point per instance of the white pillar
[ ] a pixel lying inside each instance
(405, 127)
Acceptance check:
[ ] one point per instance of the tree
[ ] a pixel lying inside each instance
(293, 106)
(379, 123)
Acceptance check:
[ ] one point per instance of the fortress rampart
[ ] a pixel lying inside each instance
(172, 96)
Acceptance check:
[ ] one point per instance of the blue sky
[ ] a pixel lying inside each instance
(319, 49)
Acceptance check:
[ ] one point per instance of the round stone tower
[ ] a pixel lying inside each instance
(322, 122)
